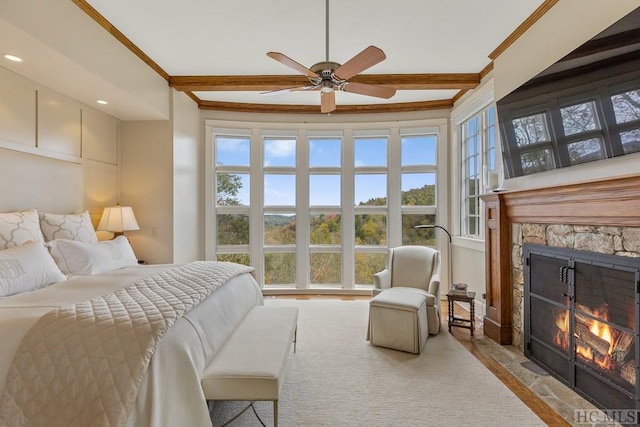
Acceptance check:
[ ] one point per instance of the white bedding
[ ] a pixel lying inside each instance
(170, 393)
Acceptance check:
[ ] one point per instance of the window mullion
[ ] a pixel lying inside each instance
(394, 190)
(348, 214)
(210, 198)
(256, 222)
(303, 230)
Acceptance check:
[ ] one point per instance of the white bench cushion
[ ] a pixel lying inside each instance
(251, 363)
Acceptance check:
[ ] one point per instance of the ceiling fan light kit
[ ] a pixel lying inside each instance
(329, 77)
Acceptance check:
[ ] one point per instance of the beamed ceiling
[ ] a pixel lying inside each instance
(216, 52)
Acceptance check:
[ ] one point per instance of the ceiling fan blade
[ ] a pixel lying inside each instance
(365, 59)
(327, 102)
(370, 90)
(284, 59)
(287, 90)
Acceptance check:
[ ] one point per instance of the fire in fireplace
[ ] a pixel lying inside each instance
(581, 321)
(597, 344)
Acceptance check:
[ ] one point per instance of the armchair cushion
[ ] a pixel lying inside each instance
(413, 266)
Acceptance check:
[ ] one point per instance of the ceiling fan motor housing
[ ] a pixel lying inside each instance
(327, 80)
(325, 66)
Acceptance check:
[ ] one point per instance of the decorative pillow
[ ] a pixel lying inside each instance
(27, 267)
(17, 228)
(71, 226)
(91, 258)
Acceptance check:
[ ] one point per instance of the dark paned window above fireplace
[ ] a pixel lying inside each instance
(583, 108)
(581, 321)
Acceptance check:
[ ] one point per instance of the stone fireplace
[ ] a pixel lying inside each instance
(598, 218)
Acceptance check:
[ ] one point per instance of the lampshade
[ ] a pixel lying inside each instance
(118, 219)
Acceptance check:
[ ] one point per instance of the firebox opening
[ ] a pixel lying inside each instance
(581, 321)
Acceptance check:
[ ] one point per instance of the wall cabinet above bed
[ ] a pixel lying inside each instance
(37, 120)
(17, 109)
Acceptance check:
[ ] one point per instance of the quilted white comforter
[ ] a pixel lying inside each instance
(169, 392)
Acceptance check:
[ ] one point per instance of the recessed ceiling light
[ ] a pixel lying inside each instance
(12, 58)
(102, 102)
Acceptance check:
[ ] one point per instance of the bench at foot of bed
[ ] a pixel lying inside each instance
(251, 363)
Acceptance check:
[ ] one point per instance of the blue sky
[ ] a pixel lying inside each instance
(324, 189)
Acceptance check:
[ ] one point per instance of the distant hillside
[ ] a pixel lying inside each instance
(424, 196)
(278, 220)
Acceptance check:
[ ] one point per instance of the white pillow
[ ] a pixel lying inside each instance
(27, 267)
(70, 226)
(17, 228)
(91, 258)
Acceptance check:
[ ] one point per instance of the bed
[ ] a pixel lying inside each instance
(169, 392)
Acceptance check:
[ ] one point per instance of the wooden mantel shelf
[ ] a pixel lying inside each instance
(608, 202)
(612, 202)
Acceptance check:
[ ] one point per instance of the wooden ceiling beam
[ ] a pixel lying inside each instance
(262, 83)
(315, 109)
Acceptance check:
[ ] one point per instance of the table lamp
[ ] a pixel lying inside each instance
(118, 219)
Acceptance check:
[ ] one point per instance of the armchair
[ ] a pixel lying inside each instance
(414, 269)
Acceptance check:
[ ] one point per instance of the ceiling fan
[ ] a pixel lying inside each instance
(329, 76)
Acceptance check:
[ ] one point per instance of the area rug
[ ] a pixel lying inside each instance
(336, 378)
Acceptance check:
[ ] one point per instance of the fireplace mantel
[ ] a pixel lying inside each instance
(609, 202)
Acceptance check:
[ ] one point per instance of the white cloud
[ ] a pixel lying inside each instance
(280, 148)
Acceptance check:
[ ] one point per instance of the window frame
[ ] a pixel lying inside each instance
(303, 248)
(486, 146)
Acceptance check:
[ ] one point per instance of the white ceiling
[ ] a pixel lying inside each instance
(214, 37)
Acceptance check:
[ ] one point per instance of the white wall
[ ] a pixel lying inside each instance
(56, 154)
(64, 49)
(188, 180)
(147, 186)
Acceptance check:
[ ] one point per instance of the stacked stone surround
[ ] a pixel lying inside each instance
(622, 241)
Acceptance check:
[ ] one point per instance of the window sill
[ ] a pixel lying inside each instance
(469, 243)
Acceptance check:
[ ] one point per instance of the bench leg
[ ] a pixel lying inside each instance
(275, 413)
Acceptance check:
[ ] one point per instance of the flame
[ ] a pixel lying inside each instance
(599, 329)
(603, 331)
(562, 337)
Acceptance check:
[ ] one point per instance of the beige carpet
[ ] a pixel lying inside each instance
(337, 378)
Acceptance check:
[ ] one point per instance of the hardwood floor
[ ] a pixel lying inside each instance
(546, 413)
(529, 398)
